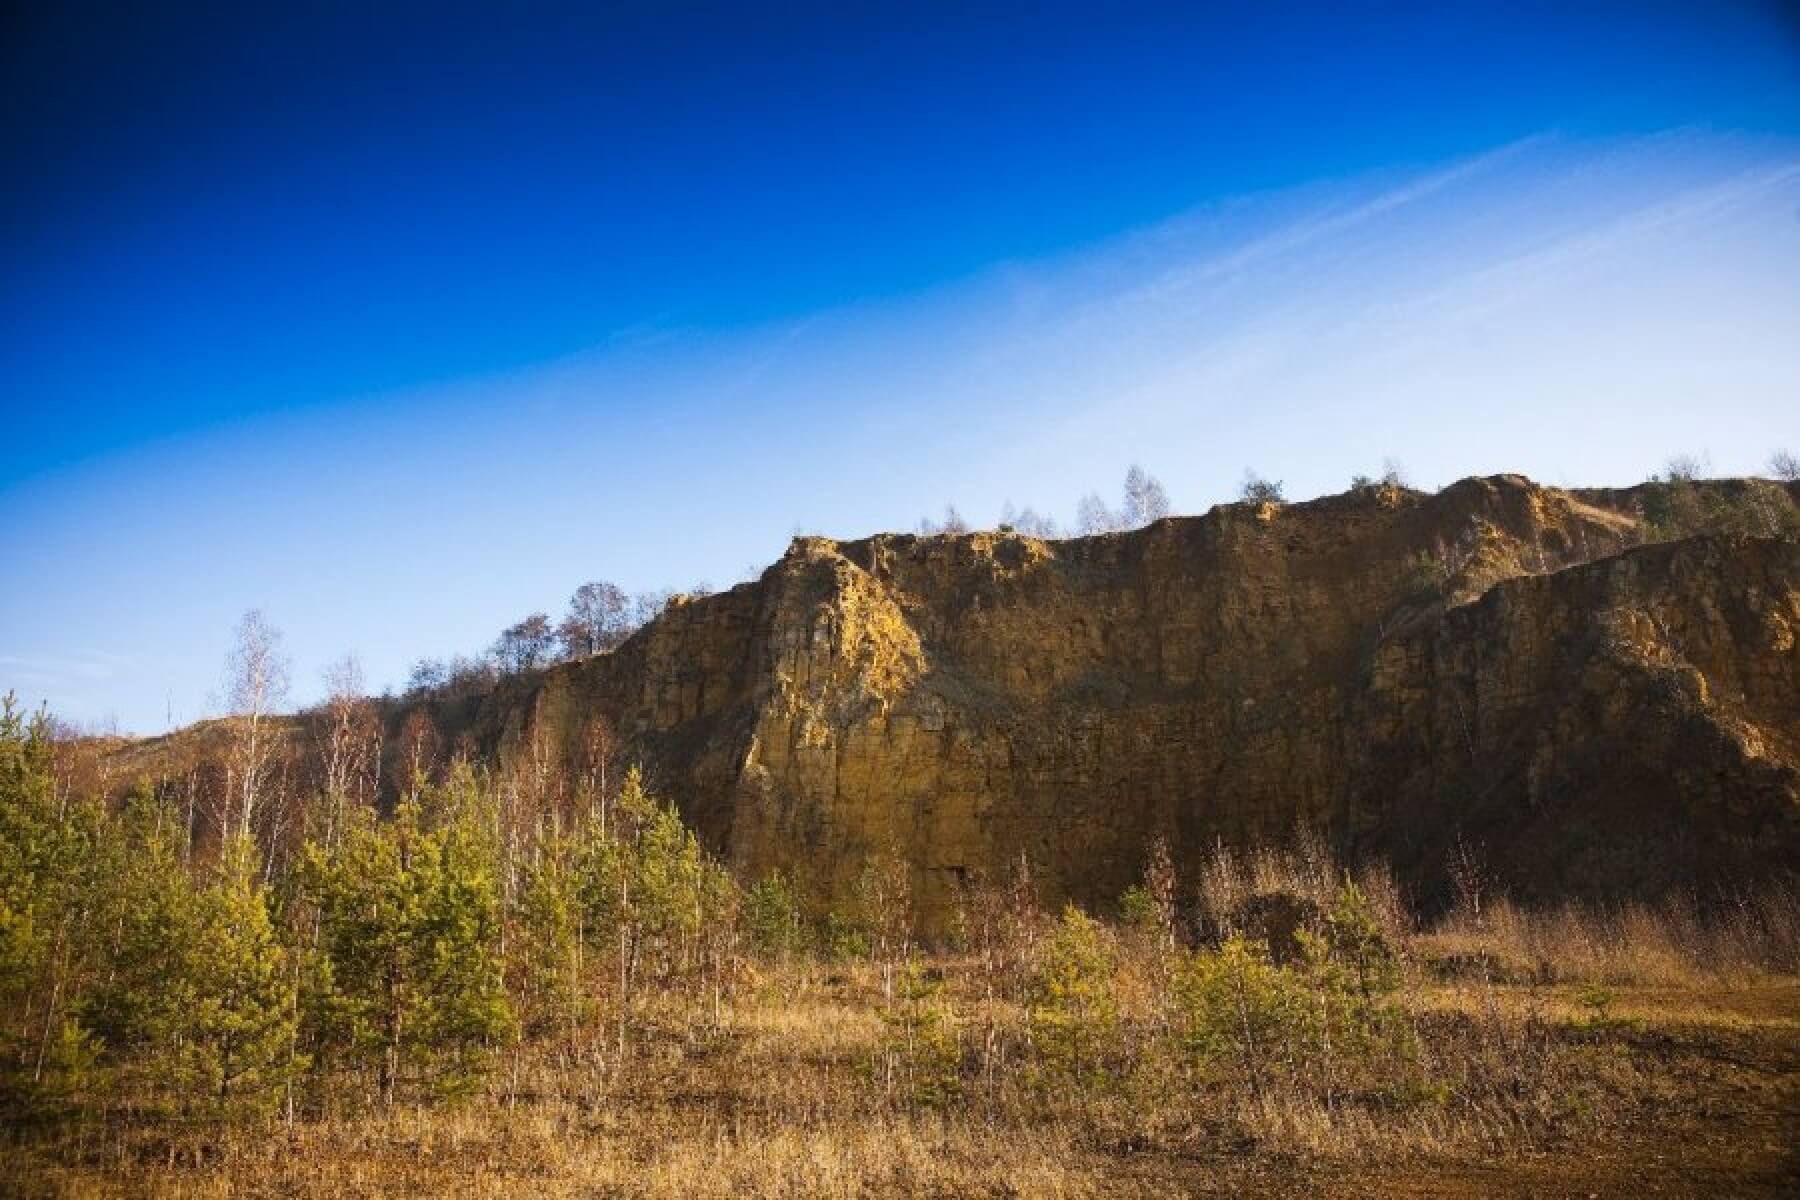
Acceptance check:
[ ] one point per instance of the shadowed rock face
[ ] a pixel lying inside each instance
(1596, 719)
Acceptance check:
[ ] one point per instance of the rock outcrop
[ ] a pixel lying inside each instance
(1499, 663)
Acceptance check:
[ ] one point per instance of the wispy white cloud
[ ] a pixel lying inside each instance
(1574, 273)
(1294, 236)
(1575, 311)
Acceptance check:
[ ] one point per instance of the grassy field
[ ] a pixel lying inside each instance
(1546, 1055)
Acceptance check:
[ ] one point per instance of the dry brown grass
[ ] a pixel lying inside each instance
(1547, 1050)
(496, 1152)
(1674, 944)
(781, 1102)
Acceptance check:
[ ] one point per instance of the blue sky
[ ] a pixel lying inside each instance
(399, 326)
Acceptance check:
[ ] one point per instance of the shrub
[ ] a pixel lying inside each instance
(1234, 1006)
(1349, 1025)
(846, 938)
(772, 917)
(1314, 1019)
(1074, 1013)
(1355, 939)
(1258, 490)
(920, 1052)
(1138, 909)
(1675, 505)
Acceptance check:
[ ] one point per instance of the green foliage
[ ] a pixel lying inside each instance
(224, 1022)
(669, 898)
(1356, 940)
(72, 1067)
(651, 902)
(1235, 1006)
(23, 950)
(1074, 1011)
(1676, 505)
(116, 968)
(1258, 490)
(48, 942)
(920, 1053)
(772, 917)
(410, 928)
(1138, 908)
(1596, 1001)
(1324, 1021)
(544, 965)
(846, 938)
(147, 905)
(602, 878)
(401, 955)
(650, 881)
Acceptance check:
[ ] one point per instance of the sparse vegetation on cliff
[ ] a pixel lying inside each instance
(1258, 490)
(1142, 499)
(1675, 506)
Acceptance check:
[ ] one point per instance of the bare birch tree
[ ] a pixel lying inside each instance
(952, 523)
(418, 753)
(256, 682)
(349, 744)
(1032, 523)
(1145, 498)
(1093, 517)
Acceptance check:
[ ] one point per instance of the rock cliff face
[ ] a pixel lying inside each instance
(1497, 662)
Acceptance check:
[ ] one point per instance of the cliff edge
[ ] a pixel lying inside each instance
(1498, 663)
